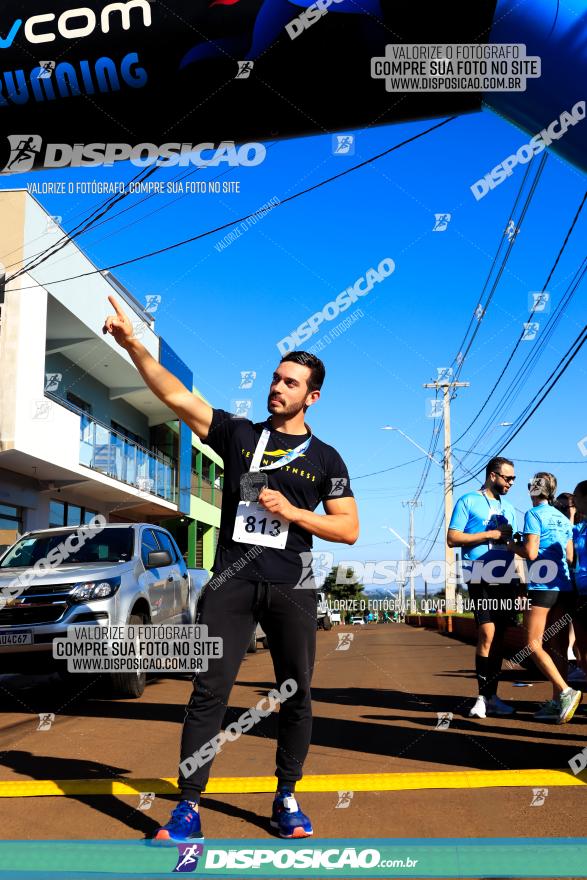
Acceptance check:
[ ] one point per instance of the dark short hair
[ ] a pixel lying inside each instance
(315, 365)
(564, 501)
(494, 465)
(581, 488)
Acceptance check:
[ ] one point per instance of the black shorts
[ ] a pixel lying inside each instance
(494, 603)
(549, 598)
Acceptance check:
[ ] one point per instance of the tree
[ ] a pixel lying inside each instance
(349, 590)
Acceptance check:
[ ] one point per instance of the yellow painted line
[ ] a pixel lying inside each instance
(465, 779)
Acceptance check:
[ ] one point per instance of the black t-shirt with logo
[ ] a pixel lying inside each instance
(315, 476)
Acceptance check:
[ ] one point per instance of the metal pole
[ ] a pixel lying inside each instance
(447, 386)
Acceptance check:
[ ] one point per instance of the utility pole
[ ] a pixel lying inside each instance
(446, 385)
(412, 552)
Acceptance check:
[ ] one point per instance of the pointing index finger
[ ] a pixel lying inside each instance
(114, 303)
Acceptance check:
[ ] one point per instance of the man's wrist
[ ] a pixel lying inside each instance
(296, 514)
(131, 343)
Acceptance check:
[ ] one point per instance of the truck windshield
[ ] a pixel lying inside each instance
(106, 545)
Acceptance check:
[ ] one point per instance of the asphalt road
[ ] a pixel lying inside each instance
(375, 712)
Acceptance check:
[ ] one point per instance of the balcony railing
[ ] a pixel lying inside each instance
(113, 454)
(203, 488)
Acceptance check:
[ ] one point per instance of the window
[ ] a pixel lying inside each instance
(10, 525)
(148, 545)
(108, 545)
(74, 515)
(200, 545)
(10, 517)
(167, 544)
(56, 514)
(63, 514)
(130, 435)
(78, 402)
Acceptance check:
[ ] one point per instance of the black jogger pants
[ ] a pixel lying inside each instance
(231, 611)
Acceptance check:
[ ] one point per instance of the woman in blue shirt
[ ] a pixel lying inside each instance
(548, 546)
(580, 544)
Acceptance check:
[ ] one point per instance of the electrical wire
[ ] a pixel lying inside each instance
(238, 220)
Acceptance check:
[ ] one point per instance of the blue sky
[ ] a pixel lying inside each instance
(225, 312)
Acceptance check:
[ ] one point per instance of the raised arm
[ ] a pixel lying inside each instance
(185, 404)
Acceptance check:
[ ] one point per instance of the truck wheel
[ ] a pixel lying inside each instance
(252, 649)
(129, 684)
(326, 622)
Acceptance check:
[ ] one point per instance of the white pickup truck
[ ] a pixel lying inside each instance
(123, 574)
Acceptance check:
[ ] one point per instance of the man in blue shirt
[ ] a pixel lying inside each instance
(481, 523)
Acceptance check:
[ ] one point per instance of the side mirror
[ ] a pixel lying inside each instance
(158, 559)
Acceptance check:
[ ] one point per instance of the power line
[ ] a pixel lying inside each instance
(516, 346)
(385, 470)
(481, 308)
(486, 455)
(235, 221)
(79, 229)
(514, 389)
(525, 416)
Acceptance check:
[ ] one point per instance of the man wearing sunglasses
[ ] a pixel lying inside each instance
(481, 524)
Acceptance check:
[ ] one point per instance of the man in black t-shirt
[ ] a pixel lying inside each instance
(276, 474)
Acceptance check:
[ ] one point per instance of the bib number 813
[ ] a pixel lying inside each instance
(252, 523)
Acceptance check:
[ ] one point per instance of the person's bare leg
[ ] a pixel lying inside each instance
(535, 622)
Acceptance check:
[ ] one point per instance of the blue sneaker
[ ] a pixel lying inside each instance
(183, 827)
(288, 819)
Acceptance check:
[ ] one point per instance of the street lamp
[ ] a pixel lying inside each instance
(413, 442)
